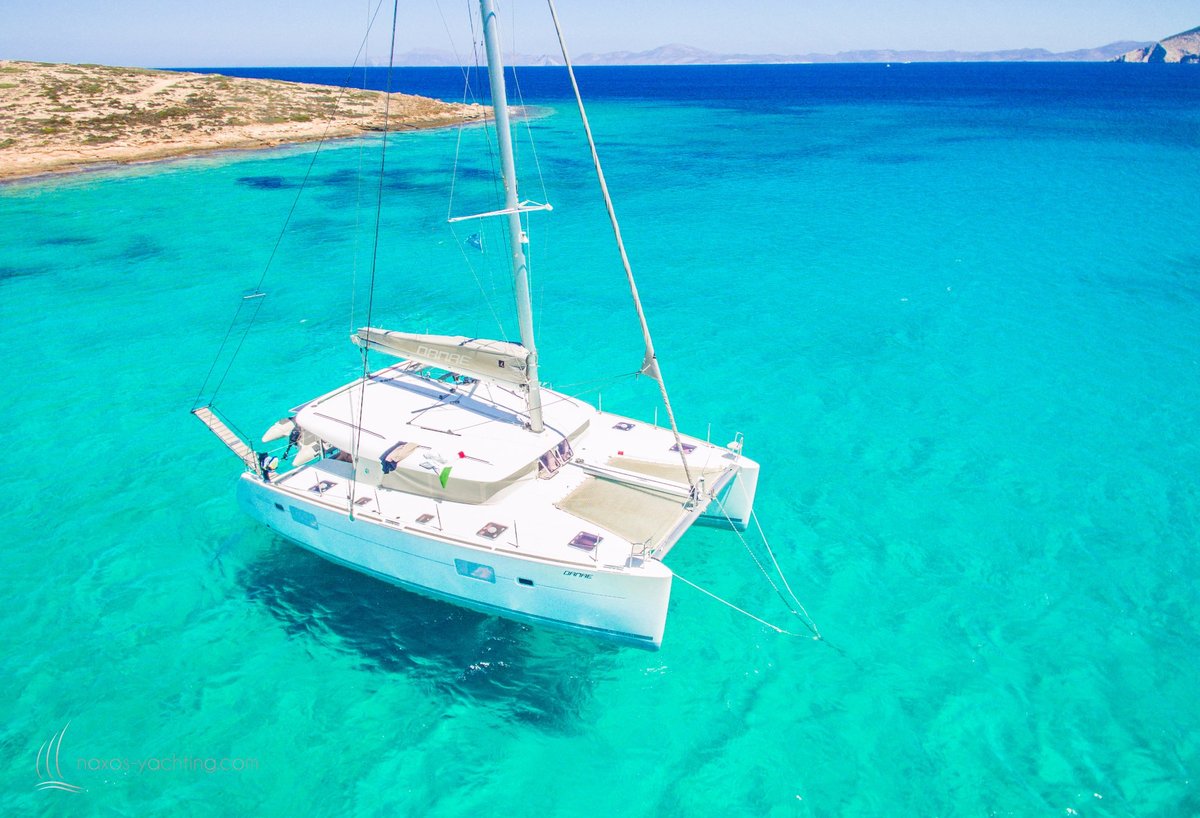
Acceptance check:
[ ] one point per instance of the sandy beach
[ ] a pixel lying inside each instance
(59, 118)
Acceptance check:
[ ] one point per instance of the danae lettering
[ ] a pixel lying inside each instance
(443, 355)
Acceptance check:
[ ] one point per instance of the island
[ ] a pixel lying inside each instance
(60, 117)
(1182, 47)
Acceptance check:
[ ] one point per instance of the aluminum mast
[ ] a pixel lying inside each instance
(512, 206)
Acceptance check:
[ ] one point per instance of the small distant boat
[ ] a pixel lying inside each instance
(456, 474)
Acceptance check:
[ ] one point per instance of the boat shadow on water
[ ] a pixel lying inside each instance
(539, 676)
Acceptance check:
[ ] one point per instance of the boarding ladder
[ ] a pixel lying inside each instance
(228, 437)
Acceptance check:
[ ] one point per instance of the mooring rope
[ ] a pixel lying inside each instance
(783, 577)
(798, 611)
(742, 611)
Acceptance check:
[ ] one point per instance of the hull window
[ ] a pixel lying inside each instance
(475, 570)
(303, 517)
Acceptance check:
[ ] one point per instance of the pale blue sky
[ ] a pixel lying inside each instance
(327, 32)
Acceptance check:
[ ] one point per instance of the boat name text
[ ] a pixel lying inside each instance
(439, 355)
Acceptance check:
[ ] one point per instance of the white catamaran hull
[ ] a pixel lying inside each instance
(732, 507)
(627, 605)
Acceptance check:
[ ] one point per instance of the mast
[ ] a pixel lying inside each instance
(512, 205)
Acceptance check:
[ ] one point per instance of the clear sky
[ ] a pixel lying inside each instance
(327, 32)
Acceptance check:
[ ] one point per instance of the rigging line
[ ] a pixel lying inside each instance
(533, 280)
(491, 152)
(650, 363)
(358, 189)
(457, 153)
(601, 381)
(487, 133)
(467, 93)
(358, 196)
(387, 106)
(479, 282)
(525, 118)
(453, 46)
(291, 211)
(220, 349)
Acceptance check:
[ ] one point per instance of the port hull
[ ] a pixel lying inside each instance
(626, 604)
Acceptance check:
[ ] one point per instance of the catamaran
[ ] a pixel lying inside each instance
(454, 473)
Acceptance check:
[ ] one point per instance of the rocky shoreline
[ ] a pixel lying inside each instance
(57, 118)
(1183, 48)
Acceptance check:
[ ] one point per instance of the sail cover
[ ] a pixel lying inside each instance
(475, 357)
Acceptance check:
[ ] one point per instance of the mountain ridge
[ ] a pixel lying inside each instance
(682, 54)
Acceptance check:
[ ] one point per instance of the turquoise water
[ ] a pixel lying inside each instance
(958, 326)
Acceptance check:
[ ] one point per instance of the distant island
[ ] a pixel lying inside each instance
(679, 54)
(61, 117)
(1182, 47)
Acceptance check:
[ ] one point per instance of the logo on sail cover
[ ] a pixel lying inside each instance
(50, 775)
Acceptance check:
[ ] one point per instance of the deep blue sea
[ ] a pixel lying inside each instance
(955, 310)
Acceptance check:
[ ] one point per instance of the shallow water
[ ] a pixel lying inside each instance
(954, 309)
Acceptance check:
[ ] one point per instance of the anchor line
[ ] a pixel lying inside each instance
(794, 605)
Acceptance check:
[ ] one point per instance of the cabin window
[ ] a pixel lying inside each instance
(552, 461)
(475, 570)
(303, 517)
(525, 581)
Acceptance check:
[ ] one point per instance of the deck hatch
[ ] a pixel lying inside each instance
(586, 541)
(491, 531)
